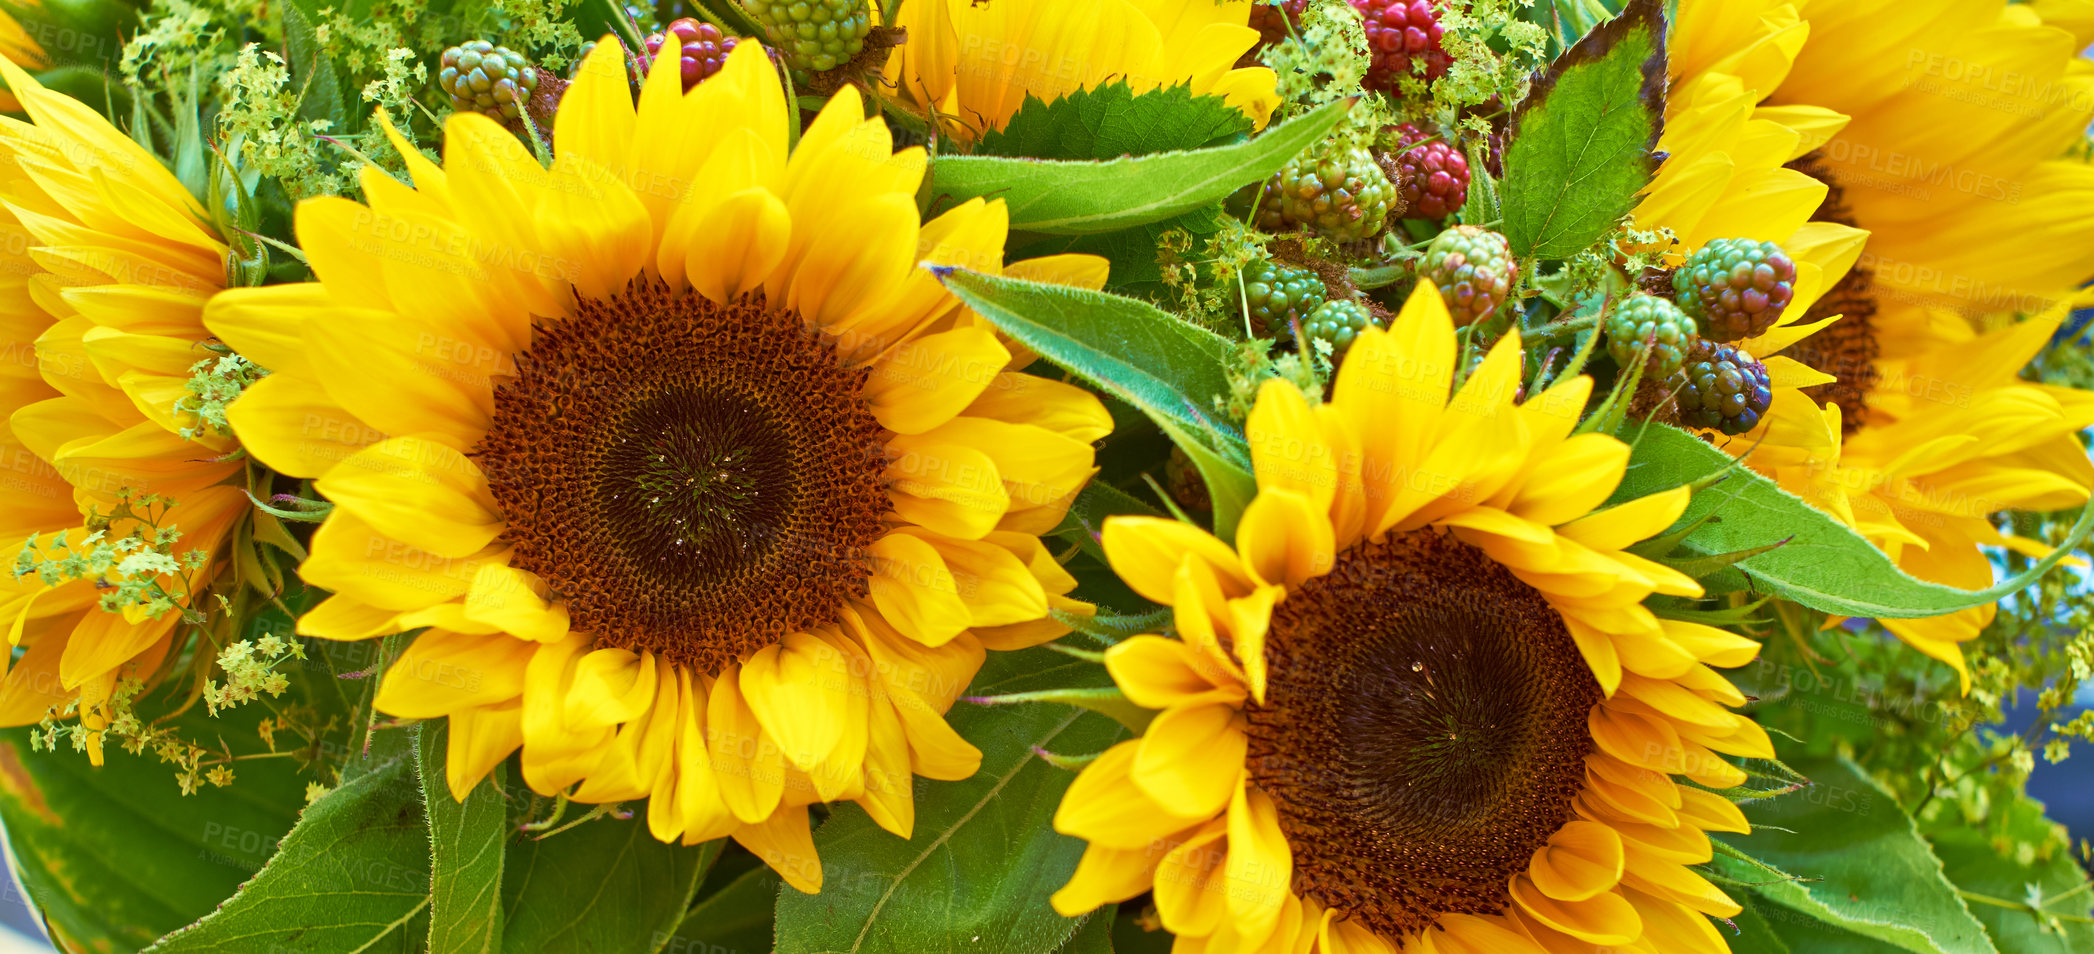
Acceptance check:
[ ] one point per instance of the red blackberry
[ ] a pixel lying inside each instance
(1404, 37)
(1435, 174)
(1275, 22)
(1473, 269)
(1736, 287)
(705, 49)
(1722, 388)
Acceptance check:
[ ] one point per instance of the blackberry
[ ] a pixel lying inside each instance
(1648, 316)
(814, 35)
(494, 81)
(705, 49)
(1337, 322)
(1435, 174)
(1736, 288)
(1473, 269)
(1721, 388)
(1402, 35)
(1338, 191)
(1275, 23)
(1279, 297)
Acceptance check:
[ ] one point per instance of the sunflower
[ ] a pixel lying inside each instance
(109, 263)
(21, 49)
(973, 64)
(705, 492)
(1899, 416)
(1419, 705)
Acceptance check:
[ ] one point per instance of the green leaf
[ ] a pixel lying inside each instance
(113, 857)
(1109, 121)
(735, 918)
(1864, 866)
(1095, 936)
(1824, 565)
(1582, 139)
(350, 876)
(606, 887)
(312, 69)
(1078, 197)
(465, 887)
(1755, 934)
(984, 857)
(2022, 883)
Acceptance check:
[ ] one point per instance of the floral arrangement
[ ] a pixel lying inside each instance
(1028, 476)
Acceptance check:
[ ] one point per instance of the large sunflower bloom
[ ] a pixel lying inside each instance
(1419, 705)
(21, 49)
(1960, 114)
(974, 64)
(109, 264)
(705, 491)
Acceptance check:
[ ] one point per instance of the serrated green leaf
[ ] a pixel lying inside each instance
(1081, 197)
(465, 852)
(606, 887)
(1868, 872)
(1581, 141)
(2029, 866)
(735, 918)
(351, 876)
(1825, 565)
(984, 856)
(1109, 121)
(312, 70)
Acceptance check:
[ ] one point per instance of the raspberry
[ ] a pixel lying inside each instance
(1275, 23)
(1402, 34)
(488, 79)
(1736, 287)
(1340, 192)
(1280, 296)
(1648, 316)
(1721, 388)
(814, 35)
(1473, 269)
(1337, 322)
(705, 49)
(1435, 174)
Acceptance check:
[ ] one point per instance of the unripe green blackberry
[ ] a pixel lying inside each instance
(488, 79)
(1736, 288)
(1721, 388)
(1473, 269)
(1279, 296)
(814, 35)
(1340, 192)
(1338, 322)
(1648, 316)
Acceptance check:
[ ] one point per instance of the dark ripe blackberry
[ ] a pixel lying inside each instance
(1473, 269)
(1423, 730)
(1338, 322)
(705, 50)
(1404, 38)
(1279, 297)
(1736, 288)
(1721, 388)
(481, 77)
(814, 35)
(1435, 174)
(1642, 317)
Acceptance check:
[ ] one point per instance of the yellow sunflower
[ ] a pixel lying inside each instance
(705, 492)
(973, 64)
(21, 49)
(1952, 163)
(1419, 705)
(109, 262)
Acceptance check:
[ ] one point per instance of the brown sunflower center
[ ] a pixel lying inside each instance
(693, 479)
(1846, 349)
(1423, 730)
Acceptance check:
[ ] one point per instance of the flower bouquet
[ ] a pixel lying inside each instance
(1340, 476)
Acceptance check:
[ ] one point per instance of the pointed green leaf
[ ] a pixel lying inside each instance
(1581, 141)
(465, 850)
(736, 918)
(1862, 865)
(605, 886)
(1079, 197)
(1825, 565)
(984, 857)
(1109, 121)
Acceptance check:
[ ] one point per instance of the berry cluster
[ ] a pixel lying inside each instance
(1340, 192)
(481, 77)
(814, 35)
(1338, 322)
(1402, 35)
(1275, 23)
(1722, 388)
(1736, 288)
(1435, 174)
(1648, 317)
(1279, 296)
(1473, 269)
(705, 49)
